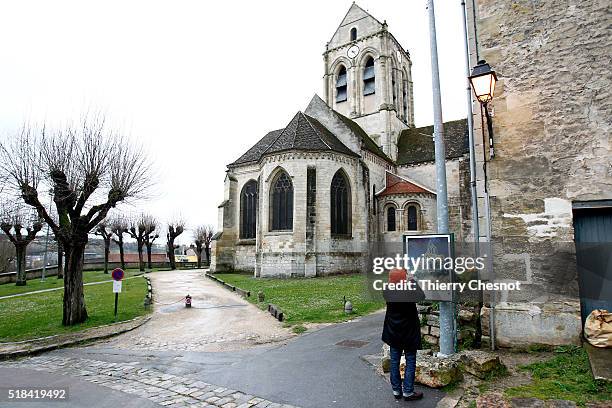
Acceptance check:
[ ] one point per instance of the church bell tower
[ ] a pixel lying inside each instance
(368, 78)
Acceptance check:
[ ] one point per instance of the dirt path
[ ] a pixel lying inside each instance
(219, 320)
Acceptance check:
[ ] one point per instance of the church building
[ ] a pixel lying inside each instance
(349, 170)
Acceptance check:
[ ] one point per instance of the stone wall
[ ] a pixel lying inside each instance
(551, 122)
(467, 321)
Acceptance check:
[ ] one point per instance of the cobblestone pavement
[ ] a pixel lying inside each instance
(131, 377)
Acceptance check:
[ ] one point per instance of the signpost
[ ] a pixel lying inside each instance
(117, 275)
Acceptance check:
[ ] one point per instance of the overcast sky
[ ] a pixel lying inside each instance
(198, 82)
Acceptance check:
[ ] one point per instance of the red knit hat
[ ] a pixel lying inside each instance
(397, 275)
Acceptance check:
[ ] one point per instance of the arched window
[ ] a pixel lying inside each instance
(341, 93)
(391, 218)
(281, 200)
(353, 33)
(248, 210)
(369, 78)
(340, 205)
(413, 217)
(393, 88)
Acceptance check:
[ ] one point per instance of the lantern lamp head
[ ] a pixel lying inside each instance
(483, 81)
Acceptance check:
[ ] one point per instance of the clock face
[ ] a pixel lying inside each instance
(353, 51)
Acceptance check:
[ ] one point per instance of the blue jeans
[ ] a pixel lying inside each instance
(396, 380)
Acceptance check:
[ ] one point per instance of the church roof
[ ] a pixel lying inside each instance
(416, 145)
(395, 184)
(303, 133)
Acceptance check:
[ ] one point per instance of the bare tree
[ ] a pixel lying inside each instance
(7, 253)
(90, 170)
(203, 238)
(104, 230)
(175, 228)
(14, 219)
(139, 230)
(152, 227)
(119, 225)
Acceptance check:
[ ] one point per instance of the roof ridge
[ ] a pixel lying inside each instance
(281, 133)
(411, 181)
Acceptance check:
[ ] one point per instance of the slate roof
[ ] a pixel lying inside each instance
(415, 146)
(397, 185)
(303, 133)
(255, 152)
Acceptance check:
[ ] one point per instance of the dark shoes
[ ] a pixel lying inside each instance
(414, 396)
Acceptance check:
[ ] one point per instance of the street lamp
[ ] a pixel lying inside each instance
(483, 80)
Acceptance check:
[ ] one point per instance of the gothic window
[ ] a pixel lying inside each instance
(353, 34)
(413, 217)
(391, 218)
(369, 79)
(248, 210)
(341, 91)
(281, 208)
(340, 205)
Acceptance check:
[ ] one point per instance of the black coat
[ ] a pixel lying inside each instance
(402, 327)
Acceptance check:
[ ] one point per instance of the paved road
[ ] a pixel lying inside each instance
(311, 370)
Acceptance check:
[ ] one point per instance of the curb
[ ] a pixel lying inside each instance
(241, 292)
(30, 347)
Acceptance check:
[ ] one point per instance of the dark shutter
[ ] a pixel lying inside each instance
(341, 87)
(369, 77)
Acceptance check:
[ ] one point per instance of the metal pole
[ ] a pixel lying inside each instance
(447, 318)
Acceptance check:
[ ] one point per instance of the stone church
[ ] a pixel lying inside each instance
(351, 169)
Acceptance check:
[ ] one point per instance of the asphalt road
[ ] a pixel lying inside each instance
(208, 345)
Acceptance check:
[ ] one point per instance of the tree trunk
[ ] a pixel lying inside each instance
(106, 254)
(149, 247)
(60, 261)
(171, 255)
(74, 300)
(140, 257)
(121, 255)
(207, 250)
(20, 257)
(199, 254)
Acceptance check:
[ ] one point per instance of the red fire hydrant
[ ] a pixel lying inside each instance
(187, 301)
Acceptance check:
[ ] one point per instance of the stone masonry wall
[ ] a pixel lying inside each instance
(551, 121)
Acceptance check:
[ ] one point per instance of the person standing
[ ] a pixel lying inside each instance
(402, 332)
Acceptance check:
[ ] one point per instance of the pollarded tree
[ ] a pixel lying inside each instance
(14, 219)
(119, 225)
(152, 226)
(139, 230)
(104, 230)
(203, 237)
(90, 170)
(175, 228)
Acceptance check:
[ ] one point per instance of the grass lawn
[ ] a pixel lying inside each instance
(309, 300)
(40, 315)
(52, 282)
(566, 376)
